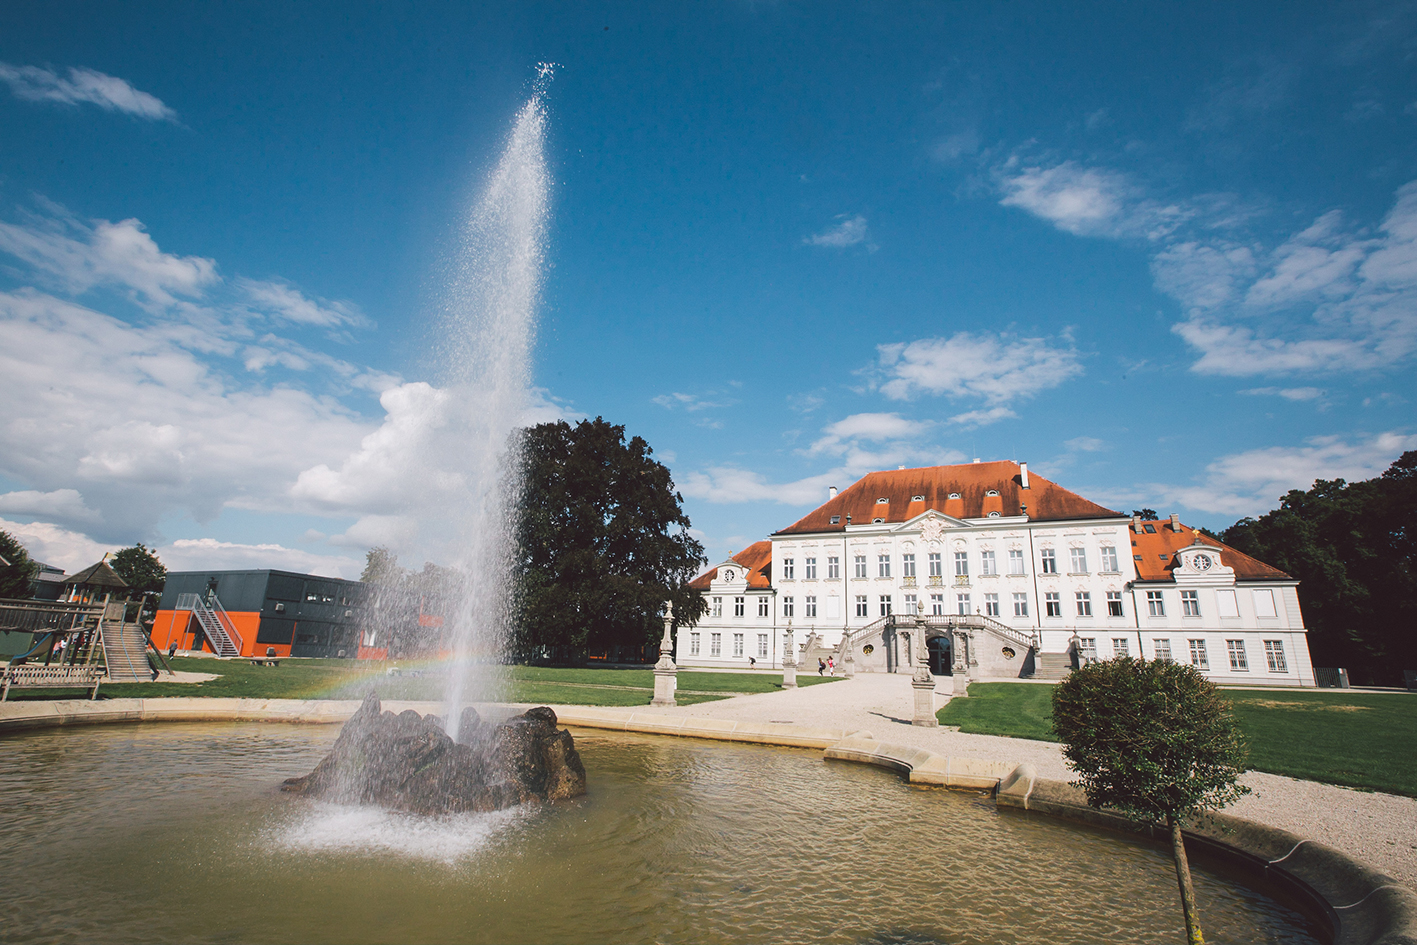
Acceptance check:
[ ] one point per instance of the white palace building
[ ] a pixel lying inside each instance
(999, 573)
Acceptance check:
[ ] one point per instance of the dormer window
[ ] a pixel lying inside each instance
(993, 514)
(883, 501)
(992, 492)
(954, 495)
(836, 519)
(878, 521)
(1149, 529)
(917, 498)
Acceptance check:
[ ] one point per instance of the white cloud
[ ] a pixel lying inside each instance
(998, 369)
(74, 550)
(79, 256)
(1288, 393)
(288, 304)
(1251, 482)
(1203, 275)
(1085, 444)
(693, 403)
(874, 427)
(65, 503)
(34, 84)
(1085, 201)
(848, 231)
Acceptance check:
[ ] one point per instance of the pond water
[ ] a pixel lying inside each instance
(158, 833)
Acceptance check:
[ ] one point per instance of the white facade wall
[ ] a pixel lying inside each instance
(1091, 598)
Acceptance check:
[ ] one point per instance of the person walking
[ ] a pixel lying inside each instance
(831, 666)
(821, 667)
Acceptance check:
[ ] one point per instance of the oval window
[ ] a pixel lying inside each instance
(1009, 653)
(868, 649)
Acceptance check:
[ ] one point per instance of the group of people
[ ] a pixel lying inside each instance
(827, 666)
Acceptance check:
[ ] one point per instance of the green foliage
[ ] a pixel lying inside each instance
(1146, 515)
(381, 566)
(602, 541)
(1353, 547)
(141, 569)
(15, 577)
(1153, 739)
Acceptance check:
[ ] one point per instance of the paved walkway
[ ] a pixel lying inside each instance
(1380, 829)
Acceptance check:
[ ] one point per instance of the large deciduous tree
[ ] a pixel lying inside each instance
(1353, 547)
(16, 569)
(601, 540)
(1156, 741)
(141, 568)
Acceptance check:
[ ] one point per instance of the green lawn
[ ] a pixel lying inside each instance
(1359, 739)
(346, 679)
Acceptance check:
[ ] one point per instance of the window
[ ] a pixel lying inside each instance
(1190, 604)
(885, 605)
(1077, 560)
(935, 569)
(787, 607)
(1015, 561)
(811, 605)
(833, 567)
(937, 605)
(1084, 600)
(986, 563)
(860, 566)
(789, 567)
(836, 519)
(883, 501)
(1274, 655)
(1238, 662)
(715, 644)
(991, 605)
(762, 646)
(1119, 646)
(811, 569)
(738, 645)
(912, 604)
(1264, 604)
(280, 607)
(1198, 657)
(716, 609)
(962, 605)
(883, 565)
(1163, 649)
(907, 566)
(737, 606)
(1149, 528)
(1087, 649)
(1109, 558)
(1050, 561)
(1052, 605)
(1020, 605)
(693, 644)
(861, 610)
(762, 606)
(1154, 605)
(961, 564)
(1226, 605)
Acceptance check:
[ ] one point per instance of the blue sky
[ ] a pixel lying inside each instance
(1167, 256)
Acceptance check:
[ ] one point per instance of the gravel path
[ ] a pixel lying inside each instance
(1380, 829)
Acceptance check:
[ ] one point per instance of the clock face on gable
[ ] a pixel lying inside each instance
(729, 575)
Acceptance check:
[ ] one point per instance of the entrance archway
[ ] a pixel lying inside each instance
(941, 652)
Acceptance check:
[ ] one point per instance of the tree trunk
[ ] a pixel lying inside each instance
(1183, 878)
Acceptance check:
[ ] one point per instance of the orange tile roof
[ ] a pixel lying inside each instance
(1046, 500)
(756, 560)
(1155, 555)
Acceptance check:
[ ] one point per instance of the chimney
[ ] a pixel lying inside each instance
(901, 466)
(978, 460)
(1136, 524)
(1023, 474)
(1175, 522)
(831, 492)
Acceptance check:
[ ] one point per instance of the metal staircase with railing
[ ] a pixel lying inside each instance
(216, 624)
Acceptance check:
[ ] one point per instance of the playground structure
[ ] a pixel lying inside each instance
(77, 643)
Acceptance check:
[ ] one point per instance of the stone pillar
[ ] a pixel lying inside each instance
(666, 674)
(789, 661)
(923, 683)
(848, 663)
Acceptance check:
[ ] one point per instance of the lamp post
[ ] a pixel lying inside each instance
(666, 674)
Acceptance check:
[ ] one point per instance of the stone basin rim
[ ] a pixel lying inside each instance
(1361, 905)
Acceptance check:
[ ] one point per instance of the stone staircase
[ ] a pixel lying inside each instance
(1052, 665)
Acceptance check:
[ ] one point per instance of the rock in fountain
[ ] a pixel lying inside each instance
(407, 762)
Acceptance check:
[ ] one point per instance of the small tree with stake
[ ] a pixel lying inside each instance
(1156, 741)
